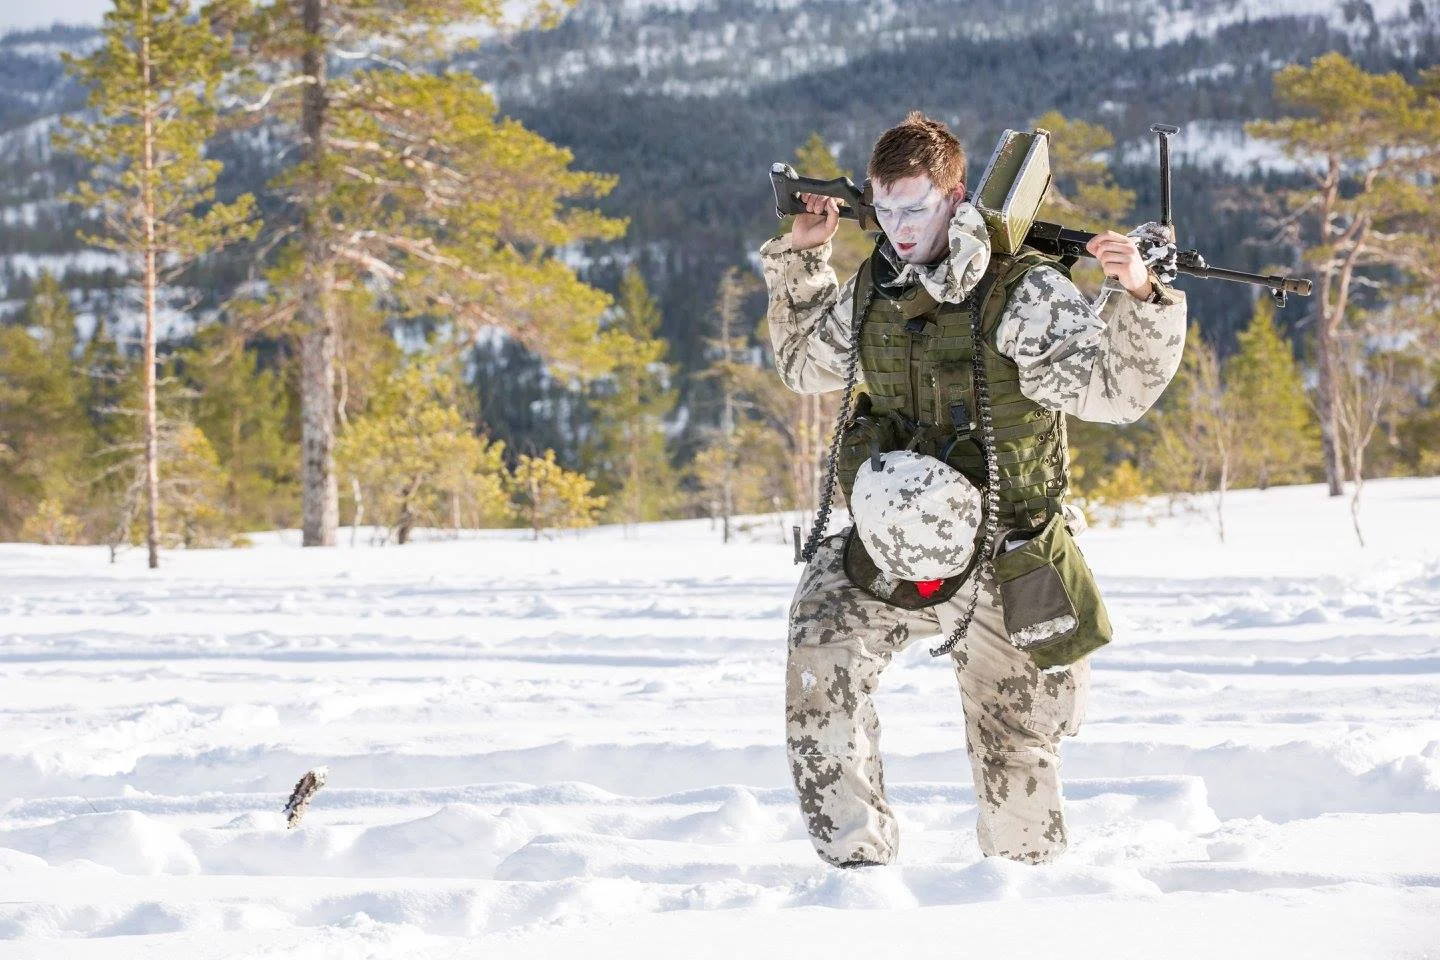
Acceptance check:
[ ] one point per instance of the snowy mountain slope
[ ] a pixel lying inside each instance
(574, 748)
(710, 47)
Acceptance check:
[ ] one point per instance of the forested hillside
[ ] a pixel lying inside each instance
(688, 104)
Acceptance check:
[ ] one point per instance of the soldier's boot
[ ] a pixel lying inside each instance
(840, 641)
(1015, 717)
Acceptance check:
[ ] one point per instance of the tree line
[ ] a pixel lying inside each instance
(418, 232)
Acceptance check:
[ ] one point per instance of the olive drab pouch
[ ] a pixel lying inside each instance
(866, 435)
(865, 573)
(1052, 605)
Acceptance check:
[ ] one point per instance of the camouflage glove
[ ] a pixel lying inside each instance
(1157, 249)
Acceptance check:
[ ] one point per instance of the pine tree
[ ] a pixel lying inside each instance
(546, 495)
(43, 427)
(1082, 195)
(408, 180)
(1197, 429)
(726, 372)
(191, 482)
(1125, 485)
(243, 411)
(192, 490)
(752, 461)
(805, 421)
(1279, 440)
(744, 470)
(851, 245)
(415, 456)
(106, 373)
(152, 83)
(1367, 143)
(630, 404)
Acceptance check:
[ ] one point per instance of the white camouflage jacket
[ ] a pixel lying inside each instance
(1108, 361)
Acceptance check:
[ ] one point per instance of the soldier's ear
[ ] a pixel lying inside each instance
(958, 193)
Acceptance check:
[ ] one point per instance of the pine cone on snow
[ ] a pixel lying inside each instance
(301, 796)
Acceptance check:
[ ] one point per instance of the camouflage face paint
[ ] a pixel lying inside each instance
(916, 217)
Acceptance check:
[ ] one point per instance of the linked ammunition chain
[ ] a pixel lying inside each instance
(986, 567)
(852, 379)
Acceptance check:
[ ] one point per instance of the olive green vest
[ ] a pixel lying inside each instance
(918, 367)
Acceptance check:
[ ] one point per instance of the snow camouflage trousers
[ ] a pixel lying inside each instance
(841, 639)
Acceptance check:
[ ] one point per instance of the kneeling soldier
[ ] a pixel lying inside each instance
(1047, 352)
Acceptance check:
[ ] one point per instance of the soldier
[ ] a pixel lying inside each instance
(1050, 353)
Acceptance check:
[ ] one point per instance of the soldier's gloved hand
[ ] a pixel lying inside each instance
(1158, 250)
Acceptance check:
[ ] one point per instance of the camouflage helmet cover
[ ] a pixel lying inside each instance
(916, 516)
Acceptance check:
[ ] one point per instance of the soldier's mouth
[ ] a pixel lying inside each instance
(904, 247)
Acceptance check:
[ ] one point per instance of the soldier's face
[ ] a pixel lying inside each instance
(916, 217)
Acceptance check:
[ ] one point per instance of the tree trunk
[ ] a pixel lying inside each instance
(358, 495)
(320, 497)
(406, 524)
(727, 429)
(152, 452)
(1220, 500)
(632, 479)
(1328, 402)
(1332, 311)
(535, 508)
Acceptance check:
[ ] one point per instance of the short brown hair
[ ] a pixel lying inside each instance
(918, 145)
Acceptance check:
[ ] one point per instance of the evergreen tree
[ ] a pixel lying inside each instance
(630, 405)
(804, 421)
(1367, 143)
(416, 459)
(43, 428)
(1279, 440)
(191, 481)
(152, 83)
(243, 411)
(1125, 485)
(410, 181)
(727, 373)
(192, 489)
(106, 373)
(1197, 429)
(749, 471)
(546, 495)
(851, 245)
(1083, 194)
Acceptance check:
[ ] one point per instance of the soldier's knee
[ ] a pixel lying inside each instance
(1029, 709)
(824, 688)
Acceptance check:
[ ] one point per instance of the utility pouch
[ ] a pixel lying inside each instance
(864, 573)
(866, 435)
(1052, 605)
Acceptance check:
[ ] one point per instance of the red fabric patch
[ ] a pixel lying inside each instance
(928, 588)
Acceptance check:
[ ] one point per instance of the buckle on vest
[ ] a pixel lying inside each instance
(960, 417)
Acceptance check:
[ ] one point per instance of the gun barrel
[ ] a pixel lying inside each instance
(1061, 241)
(1296, 285)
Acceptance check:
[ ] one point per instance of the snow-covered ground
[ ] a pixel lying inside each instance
(573, 749)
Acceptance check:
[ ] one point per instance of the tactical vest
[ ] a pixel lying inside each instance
(917, 363)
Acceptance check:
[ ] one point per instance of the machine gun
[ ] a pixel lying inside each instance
(1009, 195)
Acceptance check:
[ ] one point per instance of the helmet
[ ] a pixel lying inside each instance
(916, 516)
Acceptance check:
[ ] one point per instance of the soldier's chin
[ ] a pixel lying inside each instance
(913, 255)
